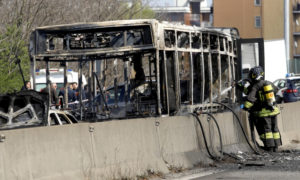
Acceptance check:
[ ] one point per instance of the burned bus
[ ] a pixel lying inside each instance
(140, 68)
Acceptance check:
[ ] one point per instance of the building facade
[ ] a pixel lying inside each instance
(189, 12)
(295, 32)
(257, 19)
(253, 18)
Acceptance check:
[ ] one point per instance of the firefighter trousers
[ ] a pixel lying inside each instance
(254, 124)
(267, 128)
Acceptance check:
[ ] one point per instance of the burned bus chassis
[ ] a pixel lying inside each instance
(148, 68)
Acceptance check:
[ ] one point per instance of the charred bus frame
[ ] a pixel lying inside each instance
(151, 68)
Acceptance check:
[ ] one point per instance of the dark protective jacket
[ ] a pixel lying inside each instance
(71, 94)
(77, 97)
(244, 86)
(257, 99)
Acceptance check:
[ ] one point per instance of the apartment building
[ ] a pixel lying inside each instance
(190, 12)
(295, 32)
(257, 19)
(253, 18)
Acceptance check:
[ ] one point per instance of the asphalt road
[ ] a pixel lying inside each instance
(270, 166)
(252, 175)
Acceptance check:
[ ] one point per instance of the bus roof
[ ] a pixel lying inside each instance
(90, 25)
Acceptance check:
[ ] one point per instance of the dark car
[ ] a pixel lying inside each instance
(292, 91)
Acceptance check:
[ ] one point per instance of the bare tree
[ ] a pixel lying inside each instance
(28, 14)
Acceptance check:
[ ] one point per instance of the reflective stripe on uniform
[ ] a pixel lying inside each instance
(245, 90)
(248, 104)
(269, 135)
(266, 112)
(261, 96)
(276, 135)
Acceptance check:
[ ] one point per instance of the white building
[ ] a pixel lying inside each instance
(190, 12)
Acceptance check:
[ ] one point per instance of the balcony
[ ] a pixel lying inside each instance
(296, 8)
(296, 33)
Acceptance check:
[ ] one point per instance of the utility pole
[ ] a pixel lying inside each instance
(287, 31)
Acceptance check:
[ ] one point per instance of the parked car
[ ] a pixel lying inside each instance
(59, 117)
(289, 89)
(292, 93)
(281, 84)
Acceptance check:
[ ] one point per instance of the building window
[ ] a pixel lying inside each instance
(195, 7)
(257, 21)
(257, 2)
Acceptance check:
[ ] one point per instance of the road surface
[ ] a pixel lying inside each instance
(247, 166)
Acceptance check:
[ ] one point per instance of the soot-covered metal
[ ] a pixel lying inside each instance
(140, 68)
(23, 109)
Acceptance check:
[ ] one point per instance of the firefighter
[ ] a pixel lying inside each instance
(261, 103)
(245, 86)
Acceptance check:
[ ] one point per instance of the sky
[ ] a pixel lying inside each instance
(154, 3)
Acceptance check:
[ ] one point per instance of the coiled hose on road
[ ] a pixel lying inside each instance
(239, 122)
(204, 137)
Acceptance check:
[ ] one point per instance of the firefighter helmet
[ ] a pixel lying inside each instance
(256, 73)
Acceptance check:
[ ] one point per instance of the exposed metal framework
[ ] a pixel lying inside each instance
(147, 68)
(25, 108)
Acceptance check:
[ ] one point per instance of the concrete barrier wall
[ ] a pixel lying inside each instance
(110, 150)
(289, 123)
(46, 153)
(125, 148)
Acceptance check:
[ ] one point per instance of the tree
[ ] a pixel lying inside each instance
(12, 47)
(19, 17)
(138, 10)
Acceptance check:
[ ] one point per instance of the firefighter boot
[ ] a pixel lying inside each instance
(269, 149)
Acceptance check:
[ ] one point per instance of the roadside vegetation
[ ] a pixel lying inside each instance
(19, 17)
